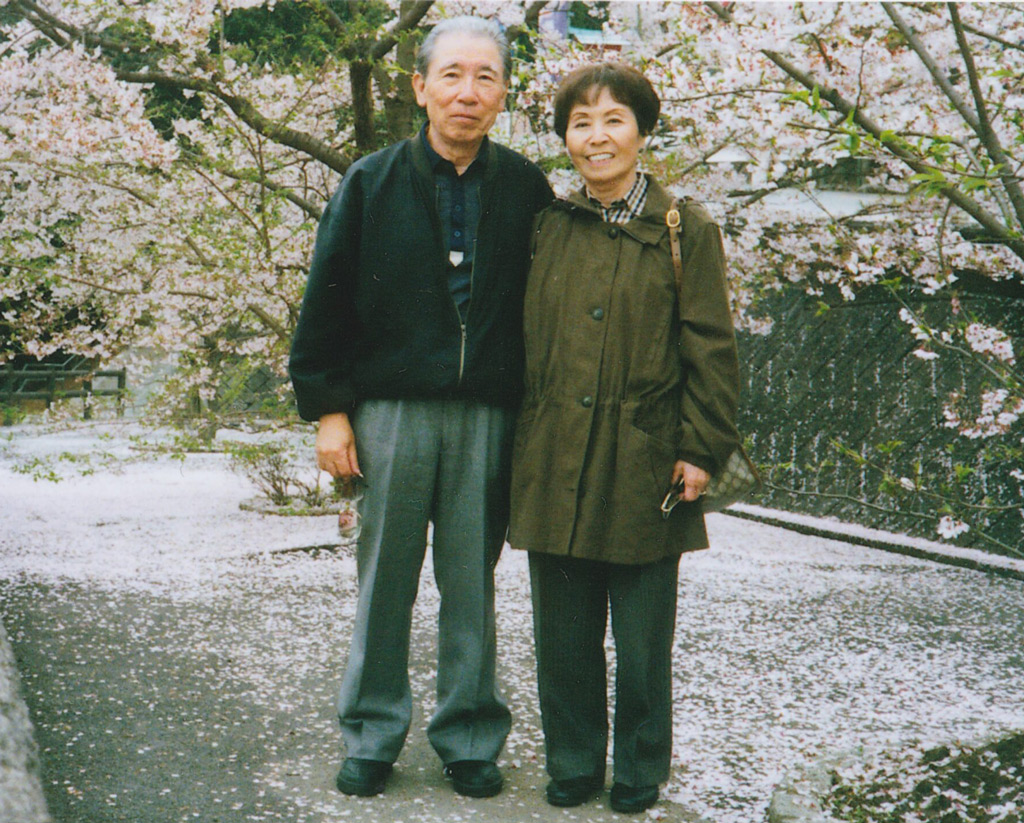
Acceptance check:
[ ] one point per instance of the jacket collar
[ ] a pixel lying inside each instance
(421, 162)
(649, 227)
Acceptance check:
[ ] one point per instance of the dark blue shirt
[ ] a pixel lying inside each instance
(458, 203)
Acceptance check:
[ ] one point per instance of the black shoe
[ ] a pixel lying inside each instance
(574, 791)
(474, 778)
(363, 778)
(633, 799)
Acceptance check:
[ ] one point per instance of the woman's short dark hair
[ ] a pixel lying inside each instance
(626, 85)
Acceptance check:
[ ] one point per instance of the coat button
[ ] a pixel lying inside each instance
(597, 314)
(587, 402)
(613, 232)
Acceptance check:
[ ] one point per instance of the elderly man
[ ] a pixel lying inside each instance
(409, 354)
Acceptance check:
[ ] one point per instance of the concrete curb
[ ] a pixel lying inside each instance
(797, 799)
(21, 790)
(875, 539)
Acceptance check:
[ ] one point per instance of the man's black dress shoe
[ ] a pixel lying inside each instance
(574, 791)
(474, 778)
(633, 799)
(363, 778)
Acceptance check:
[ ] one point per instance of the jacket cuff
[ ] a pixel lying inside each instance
(330, 400)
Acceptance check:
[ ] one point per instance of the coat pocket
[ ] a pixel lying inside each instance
(645, 462)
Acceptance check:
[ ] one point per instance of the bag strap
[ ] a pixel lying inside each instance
(672, 220)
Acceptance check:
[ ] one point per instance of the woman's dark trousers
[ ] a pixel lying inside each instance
(571, 600)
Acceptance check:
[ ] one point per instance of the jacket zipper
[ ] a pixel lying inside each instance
(469, 308)
(462, 350)
(458, 315)
(444, 268)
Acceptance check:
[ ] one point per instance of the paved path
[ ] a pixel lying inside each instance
(180, 663)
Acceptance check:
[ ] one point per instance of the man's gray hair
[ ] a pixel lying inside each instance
(465, 24)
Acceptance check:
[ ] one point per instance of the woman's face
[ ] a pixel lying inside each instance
(604, 142)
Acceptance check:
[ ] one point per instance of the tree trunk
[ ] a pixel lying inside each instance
(362, 106)
(399, 100)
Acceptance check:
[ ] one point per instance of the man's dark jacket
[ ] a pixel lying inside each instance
(378, 319)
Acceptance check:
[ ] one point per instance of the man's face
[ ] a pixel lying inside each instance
(463, 91)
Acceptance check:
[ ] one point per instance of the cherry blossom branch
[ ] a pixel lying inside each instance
(262, 315)
(722, 11)
(740, 91)
(995, 38)
(1007, 375)
(101, 286)
(246, 217)
(977, 174)
(895, 147)
(728, 140)
(923, 516)
(891, 143)
(978, 120)
(253, 176)
(300, 141)
(941, 79)
(888, 476)
(50, 25)
(988, 135)
(847, 498)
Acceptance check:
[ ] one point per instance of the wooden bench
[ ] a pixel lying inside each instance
(54, 383)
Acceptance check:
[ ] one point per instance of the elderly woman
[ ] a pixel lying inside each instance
(632, 384)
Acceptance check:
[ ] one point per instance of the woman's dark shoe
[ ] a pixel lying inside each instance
(474, 778)
(574, 791)
(633, 799)
(362, 778)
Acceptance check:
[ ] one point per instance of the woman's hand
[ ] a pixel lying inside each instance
(336, 446)
(694, 478)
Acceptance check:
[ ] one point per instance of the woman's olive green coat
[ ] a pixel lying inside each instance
(621, 381)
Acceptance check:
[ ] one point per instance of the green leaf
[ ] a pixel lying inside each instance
(962, 472)
(974, 183)
(889, 446)
(930, 176)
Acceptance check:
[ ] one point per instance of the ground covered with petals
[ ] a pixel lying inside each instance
(181, 655)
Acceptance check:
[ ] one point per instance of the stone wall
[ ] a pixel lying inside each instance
(847, 374)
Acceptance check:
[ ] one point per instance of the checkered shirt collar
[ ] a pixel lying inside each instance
(630, 206)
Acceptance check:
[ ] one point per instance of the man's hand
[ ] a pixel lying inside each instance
(695, 480)
(336, 446)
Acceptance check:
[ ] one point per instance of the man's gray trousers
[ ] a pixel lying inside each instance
(445, 462)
